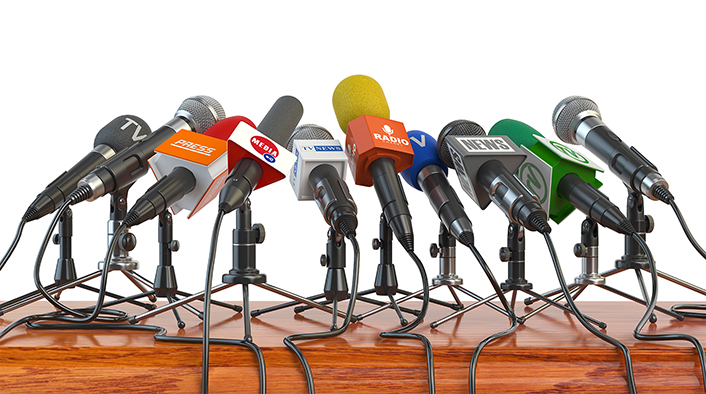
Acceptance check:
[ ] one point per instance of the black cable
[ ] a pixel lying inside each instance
(207, 300)
(58, 316)
(650, 310)
(288, 340)
(14, 244)
(159, 335)
(681, 308)
(402, 332)
(586, 324)
(511, 315)
(79, 317)
(682, 222)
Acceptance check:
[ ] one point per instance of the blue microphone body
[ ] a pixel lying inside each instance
(428, 174)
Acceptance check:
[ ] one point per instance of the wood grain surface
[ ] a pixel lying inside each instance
(551, 353)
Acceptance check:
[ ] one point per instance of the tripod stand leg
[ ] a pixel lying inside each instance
(30, 294)
(578, 293)
(455, 296)
(523, 319)
(299, 298)
(54, 290)
(188, 307)
(234, 307)
(334, 315)
(258, 312)
(403, 321)
(401, 300)
(513, 299)
(180, 323)
(680, 282)
(373, 301)
(635, 299)
(612, 272)
(120, 299)
(135, 319)
(443, 320)
(552, 293)
(417, 294)
(130, 276)
(193, 310)
(565, 309)
(643, 289)
(479, 298)
(246, 313)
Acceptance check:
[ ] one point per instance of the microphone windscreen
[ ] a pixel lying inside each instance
(202, 111)
(457, 127)
(565, 113)
(424, 147)
(282, 119)
(520, 133)
(308, 132)
(122, 132)
(356, 96)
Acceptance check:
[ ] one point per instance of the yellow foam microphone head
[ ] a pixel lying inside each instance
(356, 96)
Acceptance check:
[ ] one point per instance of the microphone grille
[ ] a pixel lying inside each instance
(564, 116)
(308, 132)
(122, 132)
(457, 127)
(202, 111)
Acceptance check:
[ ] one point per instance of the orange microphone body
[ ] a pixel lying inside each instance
(377, 149)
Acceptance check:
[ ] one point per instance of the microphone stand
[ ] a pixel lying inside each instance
(634, 258)
(514, 255)
(65, 275)
(386, 278)
(246, 236)
(336, 283)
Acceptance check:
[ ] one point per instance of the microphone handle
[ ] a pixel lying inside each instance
(593, 204)
(509, 194)
(443, 199)
(392, 199)
(334, 199)
(632, 170)
(163, 194)
(129, 165)
(56, 193)
(241, 182)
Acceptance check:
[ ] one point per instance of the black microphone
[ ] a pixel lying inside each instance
(481, 163)
(318, 175)
(428, 174)
(577, 120)
(117, 135)
(260, 161)
(195, 114)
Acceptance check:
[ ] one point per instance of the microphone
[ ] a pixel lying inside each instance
(259, 161)
(482, 164)
(318, 175)
(428, 174)
(377, 149)
(117, 135)
(577, 120)
(568, 182)
(197, 167)
(195, 114)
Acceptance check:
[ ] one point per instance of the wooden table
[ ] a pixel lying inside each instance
(552, 353)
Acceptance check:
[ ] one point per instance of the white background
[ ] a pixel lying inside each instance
(69, 68)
